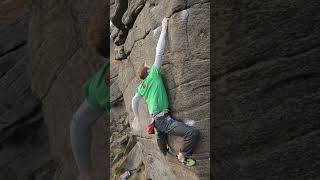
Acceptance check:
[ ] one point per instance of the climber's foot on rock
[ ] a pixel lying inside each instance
(187, 161)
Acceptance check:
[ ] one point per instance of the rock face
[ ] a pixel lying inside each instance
(185, 68)
(266, 90)
(67, 41)
(23, 133)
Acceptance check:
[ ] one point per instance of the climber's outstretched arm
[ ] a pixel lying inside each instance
(135, 105)
(161, 43)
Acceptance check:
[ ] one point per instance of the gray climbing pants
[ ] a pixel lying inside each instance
(80, 134)
(166, 125)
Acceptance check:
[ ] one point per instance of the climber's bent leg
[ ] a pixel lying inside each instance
(162, 142)
(190, 134)
(80, 135)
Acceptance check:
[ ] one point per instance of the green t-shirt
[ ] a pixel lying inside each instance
(153, 91)
(97, 89)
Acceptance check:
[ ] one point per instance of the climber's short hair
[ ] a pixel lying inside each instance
(143, 72)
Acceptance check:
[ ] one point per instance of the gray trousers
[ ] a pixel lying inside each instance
(80, 134)
(166, 125)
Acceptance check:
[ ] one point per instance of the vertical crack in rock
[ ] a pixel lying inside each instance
(187, 34)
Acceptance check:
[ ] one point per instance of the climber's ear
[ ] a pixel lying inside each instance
(143, 72)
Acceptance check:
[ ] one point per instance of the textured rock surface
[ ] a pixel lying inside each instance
(134, 158)
(67, 39)
(186, 75)
(23, 134)
(266, 90)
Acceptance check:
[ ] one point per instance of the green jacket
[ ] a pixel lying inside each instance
(97, 89)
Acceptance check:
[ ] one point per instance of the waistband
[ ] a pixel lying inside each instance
(160, 114)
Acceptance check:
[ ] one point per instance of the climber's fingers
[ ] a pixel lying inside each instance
(164, 24)
(135, 123)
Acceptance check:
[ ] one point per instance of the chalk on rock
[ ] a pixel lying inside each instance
(189, 122)
(184, 14)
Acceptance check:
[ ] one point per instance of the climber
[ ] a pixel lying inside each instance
(97, 101)
(153, 91)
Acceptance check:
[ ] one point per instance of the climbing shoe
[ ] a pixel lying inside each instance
(187, 161)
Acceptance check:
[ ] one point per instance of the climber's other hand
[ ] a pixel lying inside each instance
(135, 123)
(164, 24)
